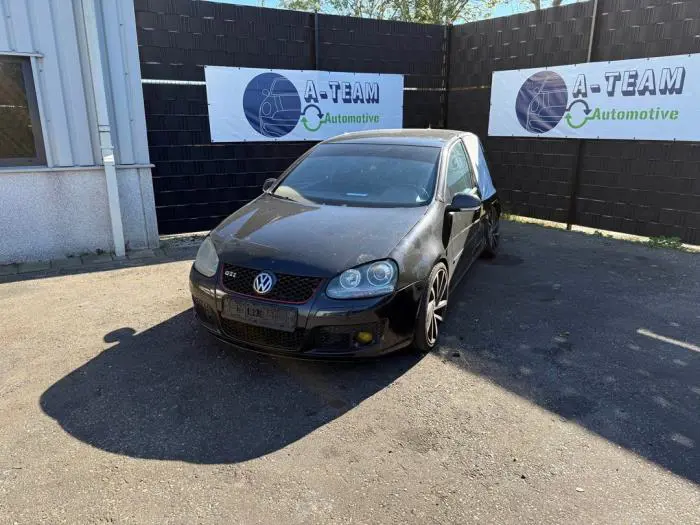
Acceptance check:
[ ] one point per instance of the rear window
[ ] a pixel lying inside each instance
(364, 175)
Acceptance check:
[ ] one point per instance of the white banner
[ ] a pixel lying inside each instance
(281, 104)
(642, 99)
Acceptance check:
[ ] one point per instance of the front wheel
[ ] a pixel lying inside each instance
(492, 233)
(432, 309)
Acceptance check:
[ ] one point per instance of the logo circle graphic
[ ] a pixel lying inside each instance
(541, 102)
(272, 105)
(263, 282)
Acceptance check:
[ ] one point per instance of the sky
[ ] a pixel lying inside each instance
(505, 9)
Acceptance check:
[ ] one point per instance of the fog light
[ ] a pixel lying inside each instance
(364, 338)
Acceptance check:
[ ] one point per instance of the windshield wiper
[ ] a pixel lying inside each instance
(283, 197)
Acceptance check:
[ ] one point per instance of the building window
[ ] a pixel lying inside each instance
(21, 142)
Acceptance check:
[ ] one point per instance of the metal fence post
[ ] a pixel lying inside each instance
(317, 43)
(446, 58)
(575, 183)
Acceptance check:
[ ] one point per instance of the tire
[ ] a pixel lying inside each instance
(492, 234)
(433, 306)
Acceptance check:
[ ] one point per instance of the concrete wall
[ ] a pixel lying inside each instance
(49, 214)
(63, 208)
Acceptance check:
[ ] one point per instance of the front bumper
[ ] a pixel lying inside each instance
(325, 327)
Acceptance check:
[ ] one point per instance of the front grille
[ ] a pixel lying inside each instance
(257, 335)
(288, 288)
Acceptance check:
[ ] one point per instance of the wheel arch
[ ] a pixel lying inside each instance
(495, 203)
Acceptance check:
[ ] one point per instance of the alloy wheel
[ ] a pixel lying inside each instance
(493, 234)
(437, 303)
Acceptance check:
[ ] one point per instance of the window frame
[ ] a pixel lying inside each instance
(469, 177)
(34, 116)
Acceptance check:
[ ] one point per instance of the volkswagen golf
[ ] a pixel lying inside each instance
(353, 250)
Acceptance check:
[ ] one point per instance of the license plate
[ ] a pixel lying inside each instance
(277, 317)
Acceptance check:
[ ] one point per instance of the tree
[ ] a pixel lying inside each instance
(424, 11)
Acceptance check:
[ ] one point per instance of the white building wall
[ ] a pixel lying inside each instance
(52, 214)
(54, 211)
(117, 23)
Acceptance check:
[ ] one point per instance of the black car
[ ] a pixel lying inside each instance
(353, 250)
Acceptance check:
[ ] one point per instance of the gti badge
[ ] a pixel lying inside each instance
(263, 282)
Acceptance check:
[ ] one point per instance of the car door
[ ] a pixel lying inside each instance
(459, 178)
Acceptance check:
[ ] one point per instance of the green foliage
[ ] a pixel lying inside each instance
(674, 243)
(422, 11)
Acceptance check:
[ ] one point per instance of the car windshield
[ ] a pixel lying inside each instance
(364, 175)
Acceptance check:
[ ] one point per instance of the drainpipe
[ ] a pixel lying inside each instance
(103, 125)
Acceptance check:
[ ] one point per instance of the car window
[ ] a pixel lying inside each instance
(459, 173)
(354, 174)
(472, 174)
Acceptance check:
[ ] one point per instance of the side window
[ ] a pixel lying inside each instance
(459, 174)
(21, 141)
(472, 175)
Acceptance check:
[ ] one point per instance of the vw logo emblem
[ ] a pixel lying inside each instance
(263, 282)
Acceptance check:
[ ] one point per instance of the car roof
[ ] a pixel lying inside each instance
(411, 137)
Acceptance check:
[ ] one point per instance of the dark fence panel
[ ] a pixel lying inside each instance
(645, 188)
(533, 176)
(177, 38)
(197, 183)
(380, 46)
(648, 188)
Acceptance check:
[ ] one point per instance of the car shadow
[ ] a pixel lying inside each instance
(601, 333)
(604, 334)
(174, 392)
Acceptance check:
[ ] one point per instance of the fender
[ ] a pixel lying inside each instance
(421, 249)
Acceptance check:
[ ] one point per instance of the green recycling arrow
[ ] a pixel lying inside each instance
(576, 126)
(306, 124)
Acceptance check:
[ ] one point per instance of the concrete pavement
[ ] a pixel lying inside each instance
(566, 389)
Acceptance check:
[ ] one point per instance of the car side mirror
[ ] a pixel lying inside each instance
(269, 183)
(465, 202)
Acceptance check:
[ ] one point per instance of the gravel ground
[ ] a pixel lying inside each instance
(566, 390)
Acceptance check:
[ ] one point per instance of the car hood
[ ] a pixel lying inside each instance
(291, 237)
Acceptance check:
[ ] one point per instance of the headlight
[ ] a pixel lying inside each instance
(368, 280)
(207, 260)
